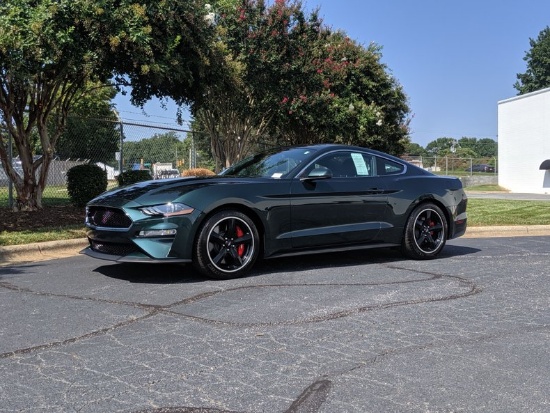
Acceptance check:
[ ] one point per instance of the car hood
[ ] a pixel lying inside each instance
(157, 191)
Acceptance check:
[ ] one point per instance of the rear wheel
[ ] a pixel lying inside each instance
(227, 245)
(425, 232)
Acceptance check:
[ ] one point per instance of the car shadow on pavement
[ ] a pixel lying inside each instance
(180, 274)
(348, 259)
(151, 273)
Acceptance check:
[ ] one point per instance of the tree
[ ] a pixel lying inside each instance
(296, 81)
(233, 113)
(463, 148)
(487, 147)
(441, 146)
(414, 149)
(50, 50)
(321, 85)
(165, 147)
(92, 131)
(481, 148)
(537, 75)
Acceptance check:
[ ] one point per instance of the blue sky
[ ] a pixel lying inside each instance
(455, 60)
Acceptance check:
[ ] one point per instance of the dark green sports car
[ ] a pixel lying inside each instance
(297, 200)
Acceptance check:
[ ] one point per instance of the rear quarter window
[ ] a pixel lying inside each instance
(388, 167)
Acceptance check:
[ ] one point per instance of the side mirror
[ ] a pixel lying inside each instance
(316, 174)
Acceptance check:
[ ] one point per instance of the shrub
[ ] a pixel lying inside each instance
(131, 177)
(197, 172)
(85, 182)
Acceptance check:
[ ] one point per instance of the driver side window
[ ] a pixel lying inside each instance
(346, 164)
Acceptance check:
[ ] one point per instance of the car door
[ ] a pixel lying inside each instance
(337, 200)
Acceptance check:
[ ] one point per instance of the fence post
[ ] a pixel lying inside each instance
(121, 158)
(10, 183)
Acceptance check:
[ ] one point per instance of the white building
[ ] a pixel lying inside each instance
(524, 143)
(111, 172)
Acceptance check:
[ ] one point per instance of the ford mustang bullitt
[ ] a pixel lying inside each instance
(296, 200)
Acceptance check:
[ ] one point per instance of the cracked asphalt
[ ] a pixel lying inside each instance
(349, 332)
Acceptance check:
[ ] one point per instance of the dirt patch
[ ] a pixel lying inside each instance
(49, 216)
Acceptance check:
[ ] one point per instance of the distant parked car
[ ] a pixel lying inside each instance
(168, 173)
(482, 167)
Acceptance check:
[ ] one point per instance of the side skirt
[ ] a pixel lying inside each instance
(331, 249)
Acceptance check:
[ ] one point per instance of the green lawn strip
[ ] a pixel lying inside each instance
(485, 188)
(44, 234)
(52, 196)
(495, 212)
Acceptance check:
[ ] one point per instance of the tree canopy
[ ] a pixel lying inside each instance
(463, 147)
(50, 51)
(537, 75)
(165, 147)
(291, 80)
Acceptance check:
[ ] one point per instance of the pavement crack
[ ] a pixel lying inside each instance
(71, 340)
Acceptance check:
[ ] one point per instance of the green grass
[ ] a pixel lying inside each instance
(486, 188)
(491, 212)
(45, 234)
(53, 195)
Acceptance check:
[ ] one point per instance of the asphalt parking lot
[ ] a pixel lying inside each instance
(354, 332)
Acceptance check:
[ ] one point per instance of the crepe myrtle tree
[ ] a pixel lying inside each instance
(231, 111)
(350, 98)
(51, 50)
(303, 83)
(537, 75)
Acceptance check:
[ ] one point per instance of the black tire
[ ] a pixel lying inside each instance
(227, 245)
(425, 232)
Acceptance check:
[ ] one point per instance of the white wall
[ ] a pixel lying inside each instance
(524, 142)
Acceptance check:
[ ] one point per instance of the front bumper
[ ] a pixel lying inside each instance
(136, 257)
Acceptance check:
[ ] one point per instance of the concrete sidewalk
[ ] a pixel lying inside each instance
(40, 251)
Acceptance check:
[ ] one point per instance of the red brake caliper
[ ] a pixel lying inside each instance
(240, 248)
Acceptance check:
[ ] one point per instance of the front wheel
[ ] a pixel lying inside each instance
(227, 245)
(425, 232)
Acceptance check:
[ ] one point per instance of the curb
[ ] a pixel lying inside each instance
(49, 250)
(39, 251)
(507, 231)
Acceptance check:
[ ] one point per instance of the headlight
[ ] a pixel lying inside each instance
(168, 210)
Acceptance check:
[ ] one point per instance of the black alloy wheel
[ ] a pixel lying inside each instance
(227, 245)
(425, 232)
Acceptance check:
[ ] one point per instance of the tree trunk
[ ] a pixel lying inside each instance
(29, 198)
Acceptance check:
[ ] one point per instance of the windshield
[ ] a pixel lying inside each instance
(269, 164)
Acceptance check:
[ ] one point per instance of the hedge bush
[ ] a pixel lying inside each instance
(200, 172)
(131, 177)
(85, 182)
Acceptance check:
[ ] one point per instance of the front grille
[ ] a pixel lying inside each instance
(107, 217)
(113, 249)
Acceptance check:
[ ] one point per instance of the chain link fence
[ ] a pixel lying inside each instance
(114, 146)
(166, 152)
(446, 165)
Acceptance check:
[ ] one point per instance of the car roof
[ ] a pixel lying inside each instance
(327, 147)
